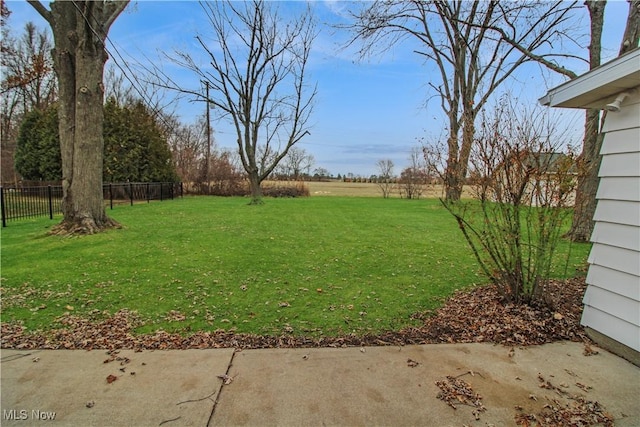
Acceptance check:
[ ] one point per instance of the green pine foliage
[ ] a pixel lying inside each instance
(37, 155)
(135, 149)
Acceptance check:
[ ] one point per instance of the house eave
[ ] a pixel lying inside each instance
(597, 87)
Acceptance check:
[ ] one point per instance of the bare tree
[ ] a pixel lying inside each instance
(188, 144)
(413, 179)
(28, 82)
(296, 162)
(385, 176)
(28, 68)
(582, 223)
(79, 30)
(321, 174)
(590, 158)
(585, 204)
(258, 79)
(472, 58)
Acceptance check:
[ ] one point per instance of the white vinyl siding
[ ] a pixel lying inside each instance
(616, 305)
(618, 235)
(617, 282)
(612, 298)
(620, 165)
(624, 260)
(618, 188)
(622, 141)
(621, 331)
(618, 211)
(626, 118)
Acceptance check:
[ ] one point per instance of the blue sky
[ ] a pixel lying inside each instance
(365, 111)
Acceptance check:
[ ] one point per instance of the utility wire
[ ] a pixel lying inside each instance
(155, 111)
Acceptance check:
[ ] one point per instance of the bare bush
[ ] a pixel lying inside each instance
(294, 189)
(225, 178)
(413, 179)
(524, 185)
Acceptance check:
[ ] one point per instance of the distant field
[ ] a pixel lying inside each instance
(361, 189)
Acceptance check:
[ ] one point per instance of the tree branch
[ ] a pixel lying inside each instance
(117, 8)
(43, 11)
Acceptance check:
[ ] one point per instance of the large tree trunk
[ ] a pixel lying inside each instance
(585, 204)
(588, 167)
(79, 30)
(585, 207)
(458, 157)
(82, 203)
(452, 179)
(256, 189)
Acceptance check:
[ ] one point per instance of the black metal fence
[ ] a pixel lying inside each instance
(28, 202)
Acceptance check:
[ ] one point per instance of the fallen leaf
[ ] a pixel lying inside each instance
(584, 387)
(90, 404)
(111, 378)
(455, 391)
(588, 351)
(412, 363)
(226, 379)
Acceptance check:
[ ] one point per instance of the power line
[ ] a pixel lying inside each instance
(105, 36)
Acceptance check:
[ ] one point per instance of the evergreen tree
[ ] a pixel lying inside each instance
(37, 155)
(135, 149)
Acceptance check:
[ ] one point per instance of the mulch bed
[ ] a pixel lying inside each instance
(471, 316)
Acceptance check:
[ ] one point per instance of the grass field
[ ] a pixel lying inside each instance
(310, 266)
(364, 189)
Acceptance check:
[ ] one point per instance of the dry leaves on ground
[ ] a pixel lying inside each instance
(455, 392)
(566, 410)
(477, 315)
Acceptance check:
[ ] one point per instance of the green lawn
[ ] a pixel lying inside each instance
(311, 266)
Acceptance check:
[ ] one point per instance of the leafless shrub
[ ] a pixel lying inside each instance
(524, 185)
(413, 179)
(294, 189)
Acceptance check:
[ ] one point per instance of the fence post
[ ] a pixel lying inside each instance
(161, 192)
(111, 195)
(181, 190)
(131, 192)
(4, 216)
(148, 195)
(50, 202)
